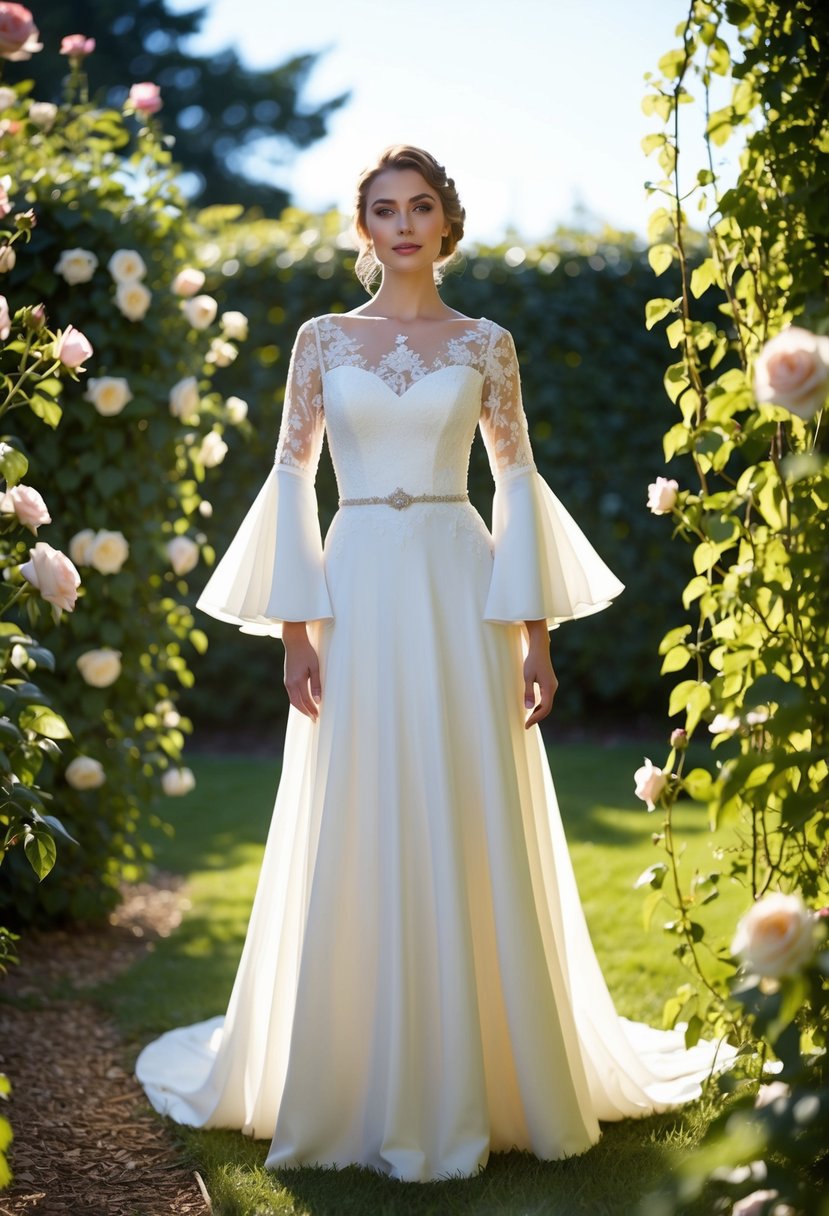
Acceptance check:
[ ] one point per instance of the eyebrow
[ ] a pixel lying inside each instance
(413, 199)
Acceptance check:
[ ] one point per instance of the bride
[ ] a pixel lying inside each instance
(417, 987)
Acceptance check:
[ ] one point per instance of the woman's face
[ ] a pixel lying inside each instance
(405, 220)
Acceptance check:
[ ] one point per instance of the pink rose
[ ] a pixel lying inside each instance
(146, 97)
(52, 573)
(650, 782)
(72, 347)
(662, 495)
(5, 319)
(77, 45)
(18, 32)
(776, 936)
(792, 370)
(28, 505)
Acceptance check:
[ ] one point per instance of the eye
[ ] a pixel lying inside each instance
(423, 206)
(381, 210)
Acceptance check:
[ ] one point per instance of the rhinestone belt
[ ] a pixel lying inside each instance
(399, 499)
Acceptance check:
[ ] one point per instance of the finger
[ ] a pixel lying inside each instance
(299, 697)
(315, 682)
(529, 691)
(308, 703)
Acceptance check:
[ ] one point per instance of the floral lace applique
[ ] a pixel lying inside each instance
(503, 421)
(401, 366)
(300, 433)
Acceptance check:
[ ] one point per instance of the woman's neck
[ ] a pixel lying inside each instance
(404, 298)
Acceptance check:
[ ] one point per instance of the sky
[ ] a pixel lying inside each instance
(533, 106)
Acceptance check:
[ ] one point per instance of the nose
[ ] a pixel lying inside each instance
(404, 224)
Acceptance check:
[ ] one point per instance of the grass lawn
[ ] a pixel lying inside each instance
(220, 830)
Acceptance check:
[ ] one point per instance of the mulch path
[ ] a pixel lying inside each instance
(86, 1142)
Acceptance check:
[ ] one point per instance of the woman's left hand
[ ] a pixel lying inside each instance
(538, 674)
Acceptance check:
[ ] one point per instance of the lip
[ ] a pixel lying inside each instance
(406, 248)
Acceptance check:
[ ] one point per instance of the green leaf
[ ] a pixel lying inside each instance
(40, 849)
(660, 258)
(699, 785)
(46, 409)
(654, 876)
(702, 277)
(44, 721)
(656, 309)
(13, 464)
(651, 902)
(676, 659)
(693, 1030)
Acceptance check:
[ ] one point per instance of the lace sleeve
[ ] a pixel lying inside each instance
(303, 421)
(503, 421)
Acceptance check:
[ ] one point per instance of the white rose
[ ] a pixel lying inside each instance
(188, 281)
(723, 723)
(8, 258)
(133, 299)
(776, 936)
(200, 311)
(108, 551)
(235, 325)
(27, 504)
(237, 409)
(662, 495)
(184, 398)
(84, 773)
(792, 370)
(8, 97)
(100, 668)
(54, 576)
(205, 508)
(177, 781)
(650, 782)
(80, 546)
(213, 450)
(756, 717)
(757, 1202)
(767, 1094)
(76, 265)
(221, 353)
(126, 266)
(182, 553)
(109, 394)
(43, 114)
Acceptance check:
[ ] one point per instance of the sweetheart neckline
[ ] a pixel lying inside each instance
(399, 396)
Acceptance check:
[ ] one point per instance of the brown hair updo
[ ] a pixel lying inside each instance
(405, 156)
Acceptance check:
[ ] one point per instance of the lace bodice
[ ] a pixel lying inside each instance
(402, 410)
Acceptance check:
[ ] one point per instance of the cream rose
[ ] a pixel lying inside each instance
(187, 282)
(200, 311)
(776, 936)
(221, 353)
(650, 782)
(205, 508)
(792, 370)
(213, 450)
(5, 201)
(184, 399)
(126, 265)
(76, 265)
(235, 325)
(133, 299)
(108, 551)
(80, 546)
(27, 504)
(177, 781)
(662, 495)
(5, 319)
(72, 348)
(54, 576)
(85, 773)
(100, 668)
(43, 114)
(109, 394)
(237, 409)
(182, 553)
(8, 258)
(8, 97)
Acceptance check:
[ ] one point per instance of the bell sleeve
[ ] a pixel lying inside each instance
(544, 567)
(273, 571)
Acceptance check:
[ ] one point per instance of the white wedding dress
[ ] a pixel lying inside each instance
(418, 986)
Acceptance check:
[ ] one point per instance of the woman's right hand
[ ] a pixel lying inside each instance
(302, 669)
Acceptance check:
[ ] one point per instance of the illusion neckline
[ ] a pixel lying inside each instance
(470, 321)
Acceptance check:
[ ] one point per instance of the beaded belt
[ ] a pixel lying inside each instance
(400, 499)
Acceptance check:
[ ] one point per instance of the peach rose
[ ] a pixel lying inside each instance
(18, 33)
(184, 398)
(72, 348)
(792, 370)
(650, 782)
(662, 495)
(182, 553)
(133, 299)
(187, 282)
(109, 394)
(76, 265)
(200, 311)
(145, 97)
(85, 773)
(27, 504)
(213, 450)
(177, 781)
(100, 668)
(126, 265)
(80, 546)
(54, 576)
(108, 551)
(5, 319)
(776, 936)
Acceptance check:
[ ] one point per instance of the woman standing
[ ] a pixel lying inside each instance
(417, 987)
